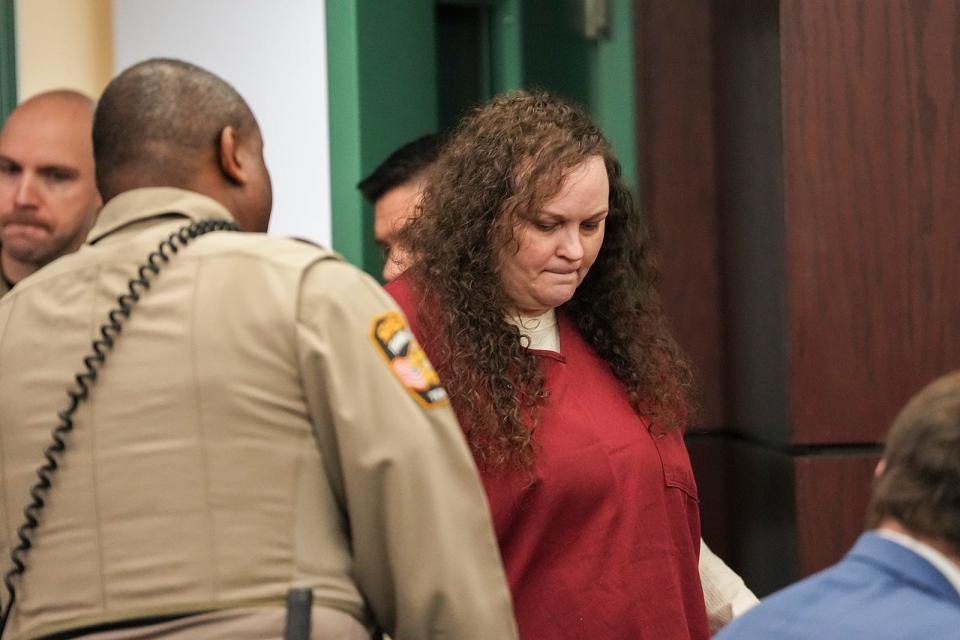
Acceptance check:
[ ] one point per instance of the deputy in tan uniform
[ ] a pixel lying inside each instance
(264, 419)
(48, 195)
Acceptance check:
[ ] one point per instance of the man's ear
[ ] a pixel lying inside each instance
(231, 162)
(881, 467)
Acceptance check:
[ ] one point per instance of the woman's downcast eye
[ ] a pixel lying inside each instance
(590, 225)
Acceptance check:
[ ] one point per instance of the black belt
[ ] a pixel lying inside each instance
(299, 606)
(114, 626)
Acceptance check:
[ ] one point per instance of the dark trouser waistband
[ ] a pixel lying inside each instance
(115, 626)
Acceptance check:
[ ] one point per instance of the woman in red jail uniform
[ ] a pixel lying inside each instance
(532, 291)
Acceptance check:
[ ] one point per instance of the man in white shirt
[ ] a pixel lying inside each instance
(902, 578)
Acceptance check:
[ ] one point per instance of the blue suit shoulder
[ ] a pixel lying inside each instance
(880, 590)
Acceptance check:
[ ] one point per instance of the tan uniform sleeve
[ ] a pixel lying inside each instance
(425, 554)
(724, 592)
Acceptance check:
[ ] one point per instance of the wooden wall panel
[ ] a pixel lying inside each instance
(762, 510)
(832, 132)
(774, 516)
(750, 209)
(832, 492)
(709, 456)
(871, 121)
(677, 160)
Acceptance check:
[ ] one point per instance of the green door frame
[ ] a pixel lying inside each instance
(613, 97)
(8, 58)
(382, 93)
(506, 46)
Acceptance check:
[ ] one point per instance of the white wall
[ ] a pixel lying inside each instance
(274, 53)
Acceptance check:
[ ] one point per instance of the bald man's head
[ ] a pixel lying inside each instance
(170, 123)
(48, 195)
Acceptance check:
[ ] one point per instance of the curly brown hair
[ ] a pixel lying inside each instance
(502, 163)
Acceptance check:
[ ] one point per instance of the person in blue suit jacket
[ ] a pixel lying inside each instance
(902, 578)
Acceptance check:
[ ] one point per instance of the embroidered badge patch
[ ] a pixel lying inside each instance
(406, 358)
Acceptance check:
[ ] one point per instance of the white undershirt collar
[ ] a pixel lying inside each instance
(541, 332)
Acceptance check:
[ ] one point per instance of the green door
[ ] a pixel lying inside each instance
(8, 59)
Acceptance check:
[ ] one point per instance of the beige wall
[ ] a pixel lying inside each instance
(63, 44)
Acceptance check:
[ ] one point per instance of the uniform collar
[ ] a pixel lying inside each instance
(151, 202)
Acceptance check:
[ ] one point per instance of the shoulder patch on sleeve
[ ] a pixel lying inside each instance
(395, 342)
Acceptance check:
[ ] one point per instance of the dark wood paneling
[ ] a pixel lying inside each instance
(776, 517)
(871, 120)
(747, 513)
(709, 456)
(832, 492)
(833, 132)
(763, 514)
(750, 187)
(677, 164)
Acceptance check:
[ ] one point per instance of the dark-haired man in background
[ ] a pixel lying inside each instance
(264, 420)
(48, 192)
(394, 189)
(902, 578)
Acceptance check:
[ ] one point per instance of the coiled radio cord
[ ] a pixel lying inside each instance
(80, 391)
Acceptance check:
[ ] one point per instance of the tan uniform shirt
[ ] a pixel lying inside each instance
(256, 426)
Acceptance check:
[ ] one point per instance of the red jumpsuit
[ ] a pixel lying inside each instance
(601, 540)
